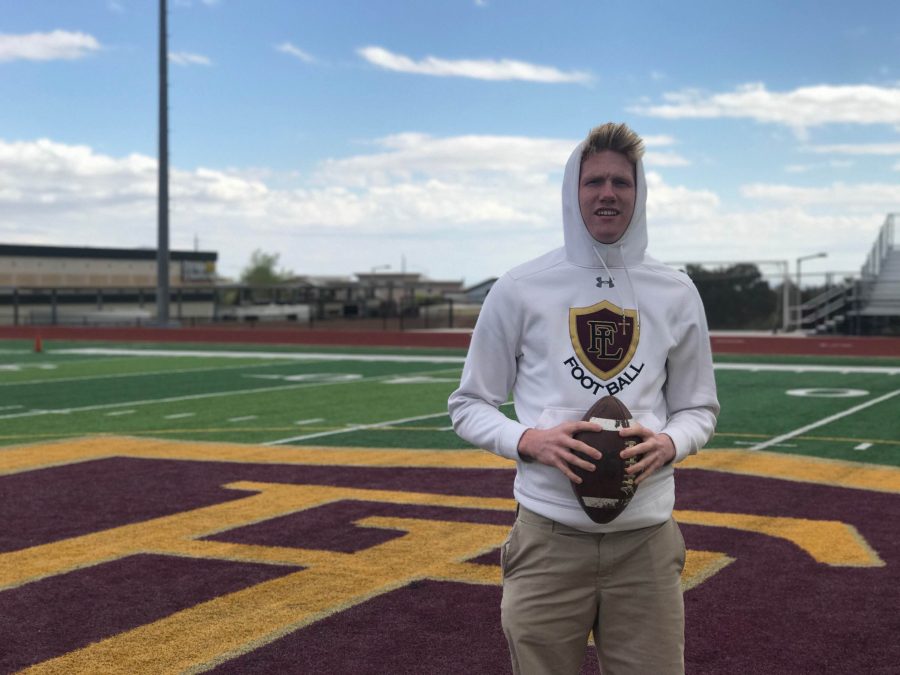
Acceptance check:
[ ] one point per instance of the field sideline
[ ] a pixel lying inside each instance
(266, 508)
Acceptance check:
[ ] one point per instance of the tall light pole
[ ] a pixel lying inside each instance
(162, 207)
(799, 280)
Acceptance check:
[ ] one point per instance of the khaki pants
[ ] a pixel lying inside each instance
(559, 584)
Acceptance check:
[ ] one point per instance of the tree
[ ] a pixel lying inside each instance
(261, 270)
(736, 296)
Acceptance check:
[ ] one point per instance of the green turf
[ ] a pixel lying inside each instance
(265, 399)
(807, 360)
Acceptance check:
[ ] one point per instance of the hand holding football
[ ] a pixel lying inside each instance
(605, 492)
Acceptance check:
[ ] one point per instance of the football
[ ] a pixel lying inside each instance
(605, 492)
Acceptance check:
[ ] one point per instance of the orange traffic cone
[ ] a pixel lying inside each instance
(38, 345)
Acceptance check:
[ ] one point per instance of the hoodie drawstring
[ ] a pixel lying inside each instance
(637, 307)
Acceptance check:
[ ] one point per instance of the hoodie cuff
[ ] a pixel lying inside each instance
(509, 440)
(682, 443)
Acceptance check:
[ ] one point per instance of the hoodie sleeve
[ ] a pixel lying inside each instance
(690, 388)
(489, 374)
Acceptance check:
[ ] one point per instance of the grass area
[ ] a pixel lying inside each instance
(393, 398)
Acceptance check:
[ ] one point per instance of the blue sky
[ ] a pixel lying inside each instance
(349, 135)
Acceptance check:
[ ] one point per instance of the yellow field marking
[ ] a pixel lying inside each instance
(215, 631)
(318, 583)
(829, 542)
(199, 637)
(267, 429)
(27, 458)
(798, 468)
(700, 566)
(179, 533)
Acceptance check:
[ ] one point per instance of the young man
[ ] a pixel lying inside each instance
(593, 318)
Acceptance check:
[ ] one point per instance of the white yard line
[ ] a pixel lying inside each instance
(780, 445)
(355, 427)
(863, 446)
(823, 422)
(314, 420)
(358, 427)
(798, 368)
(178, 416)
(119, 413)
(193, 397)
(410, 358)
(286, 356)
(177, 371)
(245, 418)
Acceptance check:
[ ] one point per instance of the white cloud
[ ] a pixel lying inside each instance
(469, 206)
(846, 196)
(56, 45)
(485, 69)
(831, 164)
(660, 140)
(669, 159)
(288, 48)
(799, 109)
(410, 154)
(858, 149)
(188, 59)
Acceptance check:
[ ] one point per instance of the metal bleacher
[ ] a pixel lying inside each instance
(864, 305)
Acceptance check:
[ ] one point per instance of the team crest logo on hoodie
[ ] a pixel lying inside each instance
(604, 336)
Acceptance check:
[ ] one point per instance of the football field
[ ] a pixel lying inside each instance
(309, 509)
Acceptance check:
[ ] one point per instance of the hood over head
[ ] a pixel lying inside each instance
(629, 250)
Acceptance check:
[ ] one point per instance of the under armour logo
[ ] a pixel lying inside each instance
(609, 282)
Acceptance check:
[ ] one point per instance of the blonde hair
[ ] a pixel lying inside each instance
(618, 137)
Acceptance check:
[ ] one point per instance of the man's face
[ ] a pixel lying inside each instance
(606, 192)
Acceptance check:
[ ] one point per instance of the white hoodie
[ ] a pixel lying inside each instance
(544, 336)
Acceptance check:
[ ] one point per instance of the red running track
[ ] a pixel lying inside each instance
(722, 344)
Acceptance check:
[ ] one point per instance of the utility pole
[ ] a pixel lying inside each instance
(162, 238)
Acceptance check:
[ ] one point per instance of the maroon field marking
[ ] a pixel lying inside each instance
(775, 609)
(53, 616)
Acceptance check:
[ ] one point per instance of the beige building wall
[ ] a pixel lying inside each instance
(87, 273)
